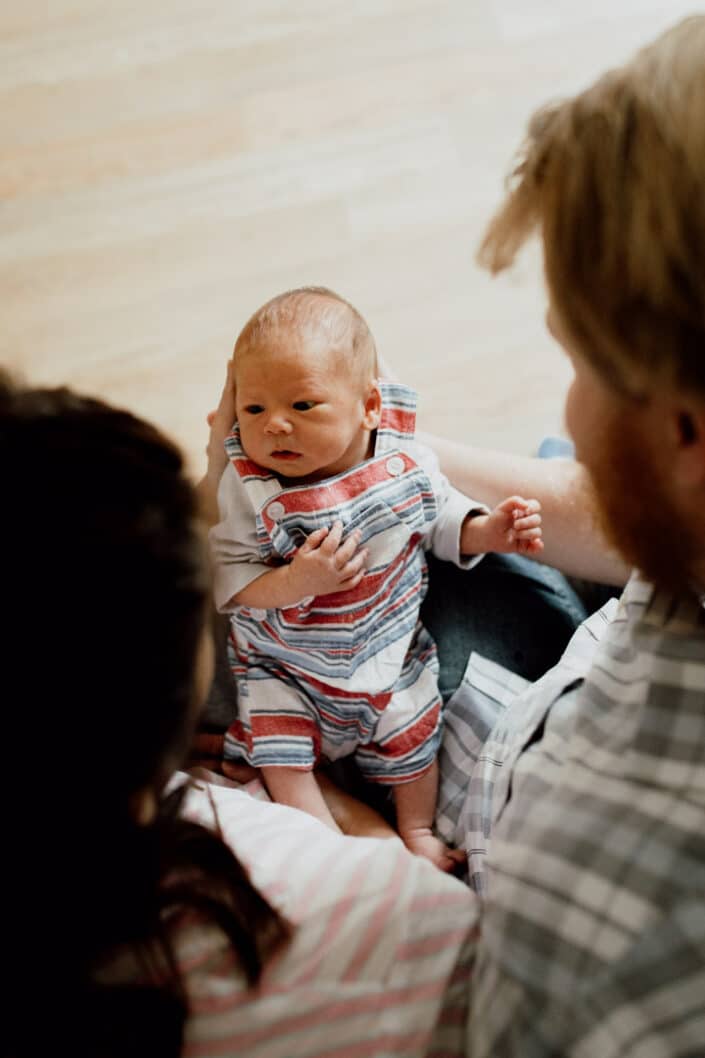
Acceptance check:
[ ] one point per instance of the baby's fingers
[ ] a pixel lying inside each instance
(354, 570)
(347, 549)
(523, 522)
(513, 503)
(452, 859)
(518, 507)
(528, 534)
(526, 508)
(313, 540)
(352, 582)
(332, 541)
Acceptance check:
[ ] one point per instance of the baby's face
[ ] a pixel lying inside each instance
(301, 413)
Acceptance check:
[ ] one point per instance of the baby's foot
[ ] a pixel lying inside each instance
(424, 843)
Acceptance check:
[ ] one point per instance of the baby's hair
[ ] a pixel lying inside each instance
(311, 311)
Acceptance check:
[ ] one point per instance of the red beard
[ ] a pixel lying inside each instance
(636, 511)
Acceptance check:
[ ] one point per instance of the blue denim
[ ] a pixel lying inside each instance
(556, 448)
(511, 609)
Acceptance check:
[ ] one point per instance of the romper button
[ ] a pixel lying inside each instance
(395, 466)
(276, 511)
(259, 615)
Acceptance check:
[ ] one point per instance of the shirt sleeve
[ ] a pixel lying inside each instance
(233, 542)
(443, 535)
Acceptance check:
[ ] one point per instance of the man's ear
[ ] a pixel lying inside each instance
(688, 444)
(373, 407)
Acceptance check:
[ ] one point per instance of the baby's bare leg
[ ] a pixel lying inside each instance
(416, 805)
(353, 816)
(298, 789)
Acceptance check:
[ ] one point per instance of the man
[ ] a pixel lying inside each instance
(584, 816)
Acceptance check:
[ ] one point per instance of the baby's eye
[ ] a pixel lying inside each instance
(304, 405)
(254, 409)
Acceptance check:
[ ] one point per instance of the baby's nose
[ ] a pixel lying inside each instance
(278, 423)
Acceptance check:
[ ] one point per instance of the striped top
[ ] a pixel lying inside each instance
(582, 808)
(380, 958)
(263, 523)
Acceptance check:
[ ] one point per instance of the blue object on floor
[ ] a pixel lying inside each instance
(556, 448)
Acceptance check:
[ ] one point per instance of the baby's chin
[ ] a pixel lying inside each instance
(296, 470)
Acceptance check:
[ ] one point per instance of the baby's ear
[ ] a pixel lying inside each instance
(373, 407)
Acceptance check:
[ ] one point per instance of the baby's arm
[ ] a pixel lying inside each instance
(513, 526)
(298, 789)
(325, 563)
(416, 806)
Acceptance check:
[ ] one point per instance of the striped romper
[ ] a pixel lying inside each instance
(354, 672)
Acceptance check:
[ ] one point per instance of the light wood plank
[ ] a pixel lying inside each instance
(165, 168)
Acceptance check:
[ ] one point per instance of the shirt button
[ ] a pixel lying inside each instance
(395, 466)
(259, 615)
(276, 511)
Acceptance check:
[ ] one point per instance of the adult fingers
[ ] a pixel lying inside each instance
(239, 772)
(221, 419)
(226, 404)
(206, 744)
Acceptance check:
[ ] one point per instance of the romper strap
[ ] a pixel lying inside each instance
(398, 419)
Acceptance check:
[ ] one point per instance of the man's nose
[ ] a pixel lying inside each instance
(278, 422)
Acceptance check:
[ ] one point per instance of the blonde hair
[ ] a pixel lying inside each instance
(614, 179)
(315, 311)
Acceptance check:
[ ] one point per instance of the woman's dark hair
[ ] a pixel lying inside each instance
(106, 598)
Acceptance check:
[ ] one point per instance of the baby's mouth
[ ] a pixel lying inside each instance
(285, 454)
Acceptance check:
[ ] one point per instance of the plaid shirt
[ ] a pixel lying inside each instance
(584, 823)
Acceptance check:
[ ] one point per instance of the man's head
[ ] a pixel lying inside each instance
(307, 396)
(614, 180)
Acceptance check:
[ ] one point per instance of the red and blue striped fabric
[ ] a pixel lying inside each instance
(355, 671)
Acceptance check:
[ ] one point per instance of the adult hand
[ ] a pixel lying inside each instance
(220, 421)
(207, 756)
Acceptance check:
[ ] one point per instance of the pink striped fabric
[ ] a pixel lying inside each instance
(380, 958)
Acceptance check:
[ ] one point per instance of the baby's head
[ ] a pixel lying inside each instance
(307, 396)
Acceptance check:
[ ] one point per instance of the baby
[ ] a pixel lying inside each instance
(327, 506)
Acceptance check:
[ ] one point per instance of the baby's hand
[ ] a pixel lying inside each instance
(424, 843)
(513, 526)
(325, 563)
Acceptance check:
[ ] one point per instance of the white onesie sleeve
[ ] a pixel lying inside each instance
(442, 537)
(233, 542)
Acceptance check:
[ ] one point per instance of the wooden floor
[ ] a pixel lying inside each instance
(167, 166)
